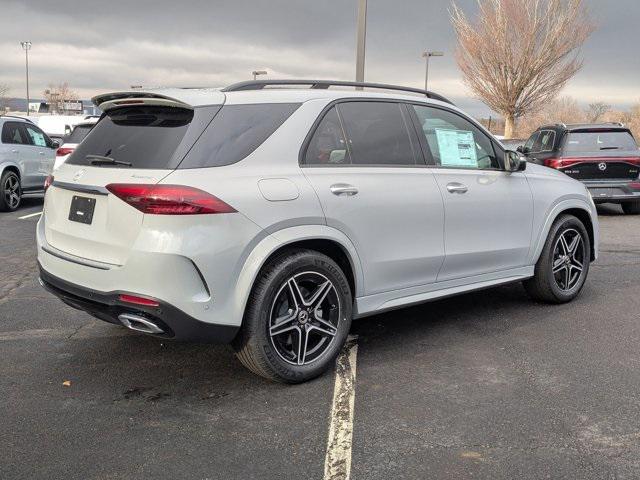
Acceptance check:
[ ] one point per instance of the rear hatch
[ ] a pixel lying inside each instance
(137, 141)
(600, 155)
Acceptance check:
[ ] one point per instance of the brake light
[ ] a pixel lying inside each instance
(134, 299)
(62, 151)
(570, 161)
(635, 185)
(553, 163)
(169, 199)
(47, 182)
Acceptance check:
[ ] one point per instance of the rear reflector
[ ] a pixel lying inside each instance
(62, 151)
(47, 182)
(147, 302)
(169, 199)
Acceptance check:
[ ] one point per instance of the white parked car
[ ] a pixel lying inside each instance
(26, 159)
(270, 217)
(76, 136)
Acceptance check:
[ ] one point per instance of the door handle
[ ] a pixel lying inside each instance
(343, 189)
(456, 187)
(42, 153)
(14, 151)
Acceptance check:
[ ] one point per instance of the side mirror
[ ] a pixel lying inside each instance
(520, 149)
(55, 144)
(514, 162)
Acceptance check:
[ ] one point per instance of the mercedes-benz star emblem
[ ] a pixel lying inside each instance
(602, 166)
(78, 175)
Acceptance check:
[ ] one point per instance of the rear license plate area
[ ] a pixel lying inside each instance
(82, 209)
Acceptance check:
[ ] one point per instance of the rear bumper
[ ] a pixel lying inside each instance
(612, 191)
(174, 323)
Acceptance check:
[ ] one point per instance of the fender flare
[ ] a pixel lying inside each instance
(10, 163)
(553, 213)
(276, 240)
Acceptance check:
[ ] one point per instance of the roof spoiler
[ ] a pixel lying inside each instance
(108, 101)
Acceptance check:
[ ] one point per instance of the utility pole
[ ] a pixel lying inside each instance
(361, 39)
(427, 55)
(26, 46)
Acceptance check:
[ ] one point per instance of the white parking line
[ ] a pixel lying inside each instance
(337, 463)
(30, 215)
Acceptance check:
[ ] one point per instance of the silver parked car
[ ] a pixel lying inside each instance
(27, 155)
(270, 217)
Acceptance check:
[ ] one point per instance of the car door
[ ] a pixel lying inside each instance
(41, 154)
(364, 162)
(488, 211)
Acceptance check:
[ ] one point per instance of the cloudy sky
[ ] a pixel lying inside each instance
(111, 44)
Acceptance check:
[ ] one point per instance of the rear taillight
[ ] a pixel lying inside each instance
(169, 199)
(553, 163)
(570, 161)
(135, 300)
(47, 182)
(635, 185)
(62, 151)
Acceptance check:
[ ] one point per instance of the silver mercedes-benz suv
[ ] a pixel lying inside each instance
(270, 213)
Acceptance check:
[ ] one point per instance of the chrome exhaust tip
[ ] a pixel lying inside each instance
(139, 324)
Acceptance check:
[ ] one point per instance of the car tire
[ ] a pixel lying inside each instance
(282, 314)
(556, 278)
(631, 208)
(10, 191)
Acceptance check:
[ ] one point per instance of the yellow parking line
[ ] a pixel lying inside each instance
(337, 464)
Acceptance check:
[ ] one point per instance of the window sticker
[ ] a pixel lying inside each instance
(38, 138)
(457, 148)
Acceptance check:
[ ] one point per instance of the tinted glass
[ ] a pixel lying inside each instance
(12, 132)
(328, 145)
(532, 140)
(145, 136)
(235, 132)
(79, 133)
(599, 141)
(377, 133)
(454, 141)
(545, 141)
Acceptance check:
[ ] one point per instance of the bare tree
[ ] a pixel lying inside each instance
(56, 94)
(518, 54)
(558, 110)
(596, 111)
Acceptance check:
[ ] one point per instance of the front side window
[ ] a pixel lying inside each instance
(544, 142)
(14, 133)
(531, 142)
(455, 142)
(36, 136)
(377, 133)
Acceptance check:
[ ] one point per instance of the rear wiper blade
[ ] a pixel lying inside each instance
(609, 148)
(101, 160)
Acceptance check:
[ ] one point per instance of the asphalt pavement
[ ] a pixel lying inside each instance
(485, 385)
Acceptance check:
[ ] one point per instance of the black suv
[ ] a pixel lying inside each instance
(605, 157)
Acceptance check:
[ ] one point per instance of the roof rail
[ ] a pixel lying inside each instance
(4, 115)
(325, 84)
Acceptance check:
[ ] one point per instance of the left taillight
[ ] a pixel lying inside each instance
(169, 199)
(62, 151)
(47, 182)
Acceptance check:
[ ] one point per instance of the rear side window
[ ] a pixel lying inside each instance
(328, 145)
(79, 133)
(144, 136)
(236, 132)
(377, 133)
(578, 142)
(14, 133)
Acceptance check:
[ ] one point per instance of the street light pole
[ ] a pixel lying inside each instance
(427, 55)
(26, 46)
(361, 39)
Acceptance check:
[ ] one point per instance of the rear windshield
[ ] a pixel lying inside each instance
(79, 133)
(599, 141)
(160, 137)
(144, 136)
(236, 132)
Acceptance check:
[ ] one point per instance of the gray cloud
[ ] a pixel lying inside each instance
(104, 45)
